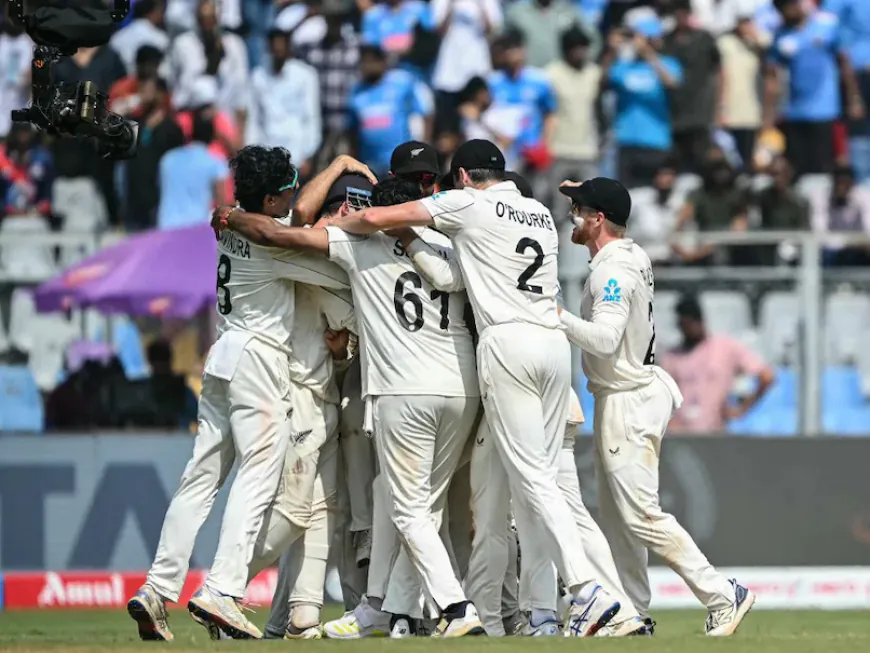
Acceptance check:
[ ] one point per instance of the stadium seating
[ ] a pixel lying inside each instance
(846, 318)
(25, 261)
(779, 322)
(20, 401)
(814, 186)
(664, 310)
(4, 340)
(727, 312)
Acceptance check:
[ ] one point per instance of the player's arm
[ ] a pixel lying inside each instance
(268, 232)
(611, 290)
(443, 274)
(382, 218)
(313, 194)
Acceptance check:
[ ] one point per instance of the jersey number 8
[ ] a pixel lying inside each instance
(401, 298)
(223, 278)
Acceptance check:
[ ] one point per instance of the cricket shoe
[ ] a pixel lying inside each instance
(215, 633)
(362, 621)
(311, 632)
(148, 610)
(362, 543)
(514, 624)
(548, 628)
(624, 628)
(722, 623)
(222, 611)
(402, 626)
(459, 620)
(649, 628)
(588, 617)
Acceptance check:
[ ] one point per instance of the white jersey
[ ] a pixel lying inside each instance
(619, 293)
(311, 362)
(256, 298)
(413, 338)
(506, 246)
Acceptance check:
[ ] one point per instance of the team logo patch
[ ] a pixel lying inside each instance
(440, 193)
(612, 291)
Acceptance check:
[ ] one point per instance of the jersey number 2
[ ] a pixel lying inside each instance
(223, 278)
(529, 272)
(650, 358)
(400, 298)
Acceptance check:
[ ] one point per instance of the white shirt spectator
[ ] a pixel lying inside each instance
(653, 223)
(285, 109)
(187, 62)
(127, 41)
(853, 216)
(181, 14)
(307, 30)
(464, 49)
(15, 55)
(720, 16)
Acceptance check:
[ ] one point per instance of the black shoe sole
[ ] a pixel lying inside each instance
(147, 630)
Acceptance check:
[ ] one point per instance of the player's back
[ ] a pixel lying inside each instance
(507, 247)
(413, 338)
(622, 274)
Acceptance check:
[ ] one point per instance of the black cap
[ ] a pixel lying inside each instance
(354, 184)
(477, 154)
(522, 184)
(414, 156)
(606, 195)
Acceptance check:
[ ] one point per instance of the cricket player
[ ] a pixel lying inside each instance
(419, 382)
(244, 411)
(506, 247)
(634, 400)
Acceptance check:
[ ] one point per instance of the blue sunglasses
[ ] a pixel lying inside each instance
(292, 184)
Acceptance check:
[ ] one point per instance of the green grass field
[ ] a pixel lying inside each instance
(677, 632)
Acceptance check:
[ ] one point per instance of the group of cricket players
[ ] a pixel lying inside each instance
(392, 382)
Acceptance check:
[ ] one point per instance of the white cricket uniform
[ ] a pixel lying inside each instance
(634, 400)
(419, 382)
(506, 247)
(244, 411)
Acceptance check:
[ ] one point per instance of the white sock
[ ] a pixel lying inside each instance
(583, 593)
(304, 615)
(540, 616)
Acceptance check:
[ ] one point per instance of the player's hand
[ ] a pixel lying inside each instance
(856, 108)
(644, 49)
(735, 411)
(354, 167)
(337, 342)
(405, 234)
(570, 184)
(220, 219)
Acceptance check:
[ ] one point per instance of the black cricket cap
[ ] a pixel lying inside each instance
(521, 182)
(338, 192)
(414, 156)
(603, 194)
(477, 154)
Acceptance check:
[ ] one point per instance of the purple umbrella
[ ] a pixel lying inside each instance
(167, 273)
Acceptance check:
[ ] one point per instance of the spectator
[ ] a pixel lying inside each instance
(500, 124)
(718, 205)
(26, 174)
(465, 26)
(574, 141)
(75, 160)
(285, 105)
(84, 400)
(381, 107)
(720, 17)
(641, 79)
(695, 102)
(527, 90)
(192, 180)
(654, 213)
(706, 368)
(846, 209)
(16, 51)
(336, 60)
(158, 134)
(807, 47)
(741, 52)
(147, 28)
(390, 25)
(124, 94)
(541, 23)
(208, 50)
(782, 208)
(854, 18)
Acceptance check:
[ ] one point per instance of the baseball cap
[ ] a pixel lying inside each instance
(606, 195)
(414, 156)
(348, 187)
(522, 184)
(477, 154)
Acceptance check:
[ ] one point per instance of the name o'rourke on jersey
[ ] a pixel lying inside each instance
(542, 220)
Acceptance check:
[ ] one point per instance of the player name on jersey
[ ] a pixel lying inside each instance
(235, 245)
(540, 220)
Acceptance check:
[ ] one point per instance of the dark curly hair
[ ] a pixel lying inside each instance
(395, 190)
(260, 171)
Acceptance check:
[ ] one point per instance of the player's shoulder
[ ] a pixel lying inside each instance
(433, 237)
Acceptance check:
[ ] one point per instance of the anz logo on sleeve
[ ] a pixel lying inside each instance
(612, 292)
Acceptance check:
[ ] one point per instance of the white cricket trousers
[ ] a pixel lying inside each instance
(525, 380)
(247, 418)
(420, 440)
(628, 435)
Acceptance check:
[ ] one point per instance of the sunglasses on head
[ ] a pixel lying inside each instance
(293, 184)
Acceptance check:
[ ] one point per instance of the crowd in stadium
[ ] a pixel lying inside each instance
(718, 114)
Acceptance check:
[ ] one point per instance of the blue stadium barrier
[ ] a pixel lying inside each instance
(841, 388)
(20, 401)
(850, 421)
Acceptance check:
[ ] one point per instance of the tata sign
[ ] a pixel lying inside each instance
(97, 502)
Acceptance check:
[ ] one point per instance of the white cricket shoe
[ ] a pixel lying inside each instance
(465, 621)
(401, 628)
(624, 628)
(587, 618)
(722, 623)
(312, 632)
(149, 611)
(362, 621)
(544, 629)
(222, 611)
